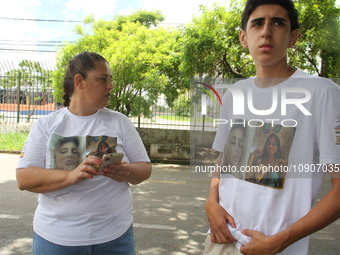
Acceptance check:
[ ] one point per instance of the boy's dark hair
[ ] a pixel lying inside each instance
(251, 5)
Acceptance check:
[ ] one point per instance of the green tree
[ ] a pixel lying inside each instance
(210, 43)
(318, 49)
(182, 106)
(143, 17)
(140, 59)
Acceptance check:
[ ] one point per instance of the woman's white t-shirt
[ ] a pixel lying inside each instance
(95, 210)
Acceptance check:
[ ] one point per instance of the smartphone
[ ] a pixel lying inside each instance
(110, 159)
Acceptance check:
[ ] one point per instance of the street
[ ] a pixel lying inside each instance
(169, 215)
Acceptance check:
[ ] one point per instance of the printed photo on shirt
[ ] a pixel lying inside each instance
(66, 152)
(337, 140)
(100, 145)
(269, 155)
(235, 150)
(337, 131)
(258, 153)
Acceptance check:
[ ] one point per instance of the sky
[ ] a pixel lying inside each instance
(23, 38)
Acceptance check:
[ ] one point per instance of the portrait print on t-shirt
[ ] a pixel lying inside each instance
(100, 145)
(258, 153)
(337, 131)
(66, 152)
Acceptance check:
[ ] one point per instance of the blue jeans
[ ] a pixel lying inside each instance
(123, 245)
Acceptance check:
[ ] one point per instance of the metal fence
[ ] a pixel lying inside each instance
(25, 99)
(14, 108)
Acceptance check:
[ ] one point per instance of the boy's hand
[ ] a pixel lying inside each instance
(218, 219)
(260, 244)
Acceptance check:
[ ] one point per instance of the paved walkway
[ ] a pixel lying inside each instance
(169, 215)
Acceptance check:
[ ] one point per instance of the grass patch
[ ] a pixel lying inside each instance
(185, 119)
(174, 118)
(12, 141)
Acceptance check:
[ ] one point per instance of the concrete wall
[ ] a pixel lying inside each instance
(198, 138)
(162, 145)
(178, 146)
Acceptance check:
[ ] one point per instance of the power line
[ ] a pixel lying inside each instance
(18, 50)
(32, 44)
(35, 41)
(75, 21)
(42, 20)
(6, 46)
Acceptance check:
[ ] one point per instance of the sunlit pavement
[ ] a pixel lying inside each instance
(168, 214)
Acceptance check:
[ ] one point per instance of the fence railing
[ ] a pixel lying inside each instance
(25, 102)
(22, 113)
(25, 99)
(25, 105)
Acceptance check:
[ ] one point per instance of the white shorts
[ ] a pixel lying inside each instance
(220, 249)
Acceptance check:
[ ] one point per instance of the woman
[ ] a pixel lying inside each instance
(268, 159)
(80, 210)
(233, 150)
(103, 148)
(67, 154)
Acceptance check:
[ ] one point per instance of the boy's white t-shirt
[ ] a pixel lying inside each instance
(315, 142)
(95, 210)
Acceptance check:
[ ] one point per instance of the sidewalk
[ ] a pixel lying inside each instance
(169, 215)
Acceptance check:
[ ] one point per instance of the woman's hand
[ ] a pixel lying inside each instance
(133, 173)
(43, 180)
(118, 173)
(84, 171)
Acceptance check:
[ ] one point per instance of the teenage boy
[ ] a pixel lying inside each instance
(245, 215)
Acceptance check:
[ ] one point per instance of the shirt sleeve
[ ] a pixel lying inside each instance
(133, 145)
(328, 122)
(35, 147)
(223, 124)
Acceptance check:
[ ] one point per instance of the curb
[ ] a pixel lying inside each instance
(154, 161)
(10, 152)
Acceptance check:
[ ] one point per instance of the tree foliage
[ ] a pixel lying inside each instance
(211, 41)
(143, 17)
(211, 44)
(141, 59)
(318, 49)
(182, 106)
(29, 71)
(147, 60)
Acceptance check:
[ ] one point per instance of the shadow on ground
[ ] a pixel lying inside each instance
(169, 217)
